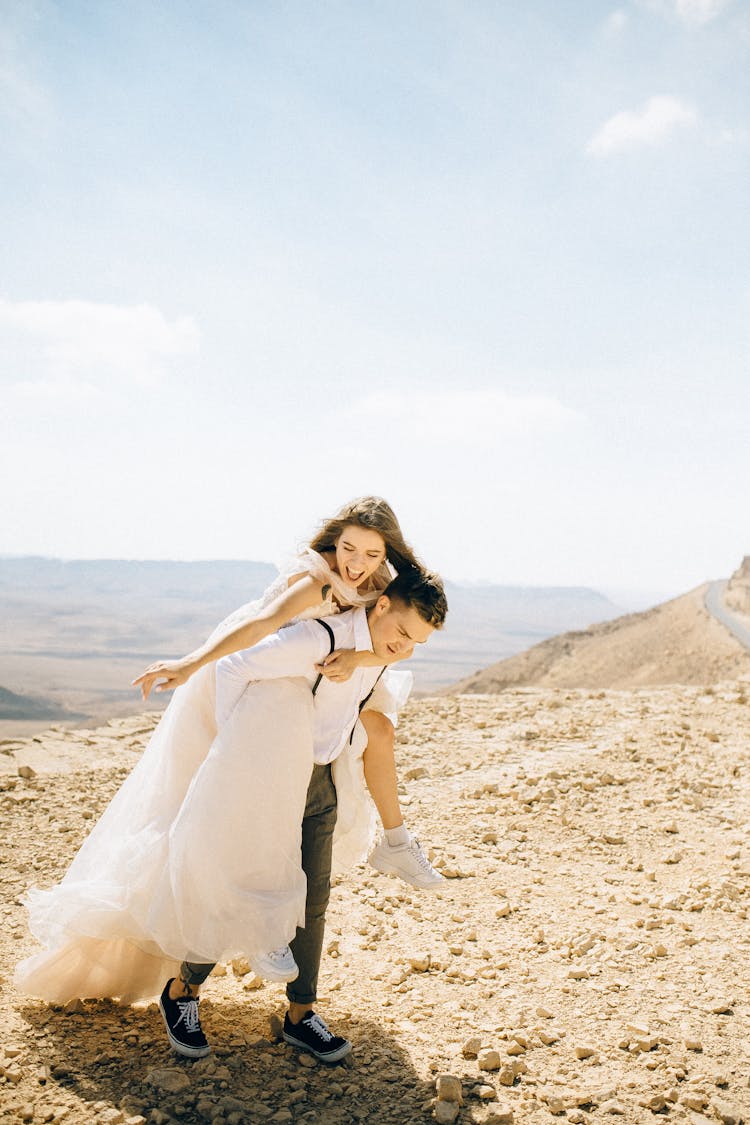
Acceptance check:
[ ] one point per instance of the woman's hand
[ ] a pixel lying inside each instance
(339, 666)
(164, 676)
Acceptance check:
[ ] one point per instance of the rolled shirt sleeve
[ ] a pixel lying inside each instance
(293, 651)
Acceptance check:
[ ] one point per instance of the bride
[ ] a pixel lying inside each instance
(108, 927)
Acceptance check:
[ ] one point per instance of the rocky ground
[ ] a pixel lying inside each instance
(587, 960)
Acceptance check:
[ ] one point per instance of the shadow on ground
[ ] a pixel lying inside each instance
(105, 1057)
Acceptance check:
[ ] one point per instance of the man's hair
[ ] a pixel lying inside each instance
(422, 590)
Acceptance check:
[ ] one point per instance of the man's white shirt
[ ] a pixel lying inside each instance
(294, 651)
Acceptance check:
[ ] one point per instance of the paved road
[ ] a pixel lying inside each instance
(714, 602)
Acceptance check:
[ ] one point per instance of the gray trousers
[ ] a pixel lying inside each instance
(318, 823)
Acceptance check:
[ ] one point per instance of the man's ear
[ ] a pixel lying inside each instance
(382, 605)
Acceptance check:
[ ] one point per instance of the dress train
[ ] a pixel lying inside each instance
(197, 857)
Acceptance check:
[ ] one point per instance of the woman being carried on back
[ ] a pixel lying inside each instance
(348, 563)
(123, 915)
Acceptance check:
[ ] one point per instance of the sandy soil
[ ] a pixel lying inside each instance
(677, 642)
(587, 960)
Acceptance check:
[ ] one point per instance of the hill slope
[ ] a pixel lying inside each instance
(677, 642)
(738, 588)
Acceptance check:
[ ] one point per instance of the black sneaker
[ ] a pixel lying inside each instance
(183, 1024)
(312, 1035)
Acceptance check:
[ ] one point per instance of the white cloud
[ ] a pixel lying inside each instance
(22, 95)
(699, 11)
(727, 135)
(615, 23)
(649, 125)
(77, 346)
(694, 13)
(465, 416)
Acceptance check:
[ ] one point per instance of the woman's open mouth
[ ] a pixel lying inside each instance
(354, 575)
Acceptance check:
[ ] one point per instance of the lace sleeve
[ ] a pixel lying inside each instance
(306, 562)
(249, 610)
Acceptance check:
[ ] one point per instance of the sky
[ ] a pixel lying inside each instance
(489, 260)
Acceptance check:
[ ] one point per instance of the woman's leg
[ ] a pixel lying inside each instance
(398, 853)
(380, 768)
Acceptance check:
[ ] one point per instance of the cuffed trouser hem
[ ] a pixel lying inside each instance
(295, 998)
(193, 973)
(317, 848)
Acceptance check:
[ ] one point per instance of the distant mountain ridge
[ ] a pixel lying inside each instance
(160, 577)
(77, 632)
(13, 706)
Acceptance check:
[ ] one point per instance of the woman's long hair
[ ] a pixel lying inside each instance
(374, 514)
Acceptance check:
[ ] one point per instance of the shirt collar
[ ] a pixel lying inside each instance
(362, 638)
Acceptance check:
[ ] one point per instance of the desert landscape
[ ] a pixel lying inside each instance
(586, 961)
(76, 632)
(456, 283)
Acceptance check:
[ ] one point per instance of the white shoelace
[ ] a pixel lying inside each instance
(279, 954)
(189, 1014)
(317, 1025)
(419, 855)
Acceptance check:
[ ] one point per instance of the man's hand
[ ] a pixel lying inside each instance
(163, 676)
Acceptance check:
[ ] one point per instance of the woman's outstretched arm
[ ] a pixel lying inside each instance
(167, 674)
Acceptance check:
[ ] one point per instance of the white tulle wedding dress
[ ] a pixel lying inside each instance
(197, 857)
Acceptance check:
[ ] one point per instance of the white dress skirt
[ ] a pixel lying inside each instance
(197, 857)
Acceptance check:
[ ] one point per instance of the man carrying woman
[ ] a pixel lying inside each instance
(197, 858)
(408, 611)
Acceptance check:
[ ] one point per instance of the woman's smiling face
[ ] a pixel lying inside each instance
(359, 553)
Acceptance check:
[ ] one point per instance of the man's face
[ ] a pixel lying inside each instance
(396, 628)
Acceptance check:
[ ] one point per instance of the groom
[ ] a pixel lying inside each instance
(405, 614)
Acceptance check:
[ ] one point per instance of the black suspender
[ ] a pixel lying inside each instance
(366, 700)
(332, 645)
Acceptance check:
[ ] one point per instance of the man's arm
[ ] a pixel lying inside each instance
(293, 651)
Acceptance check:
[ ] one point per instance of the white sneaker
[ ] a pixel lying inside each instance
(408, 861)
(278, 965)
